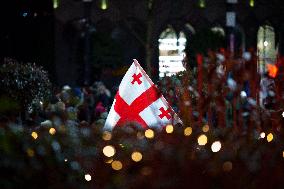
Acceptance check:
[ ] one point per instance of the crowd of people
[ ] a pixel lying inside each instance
(78, 105)
(221, 91)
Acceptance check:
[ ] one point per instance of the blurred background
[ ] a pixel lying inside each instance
(97, 39)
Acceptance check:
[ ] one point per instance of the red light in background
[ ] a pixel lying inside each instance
(272, 70)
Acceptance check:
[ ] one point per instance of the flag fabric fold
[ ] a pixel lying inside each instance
(138, 101)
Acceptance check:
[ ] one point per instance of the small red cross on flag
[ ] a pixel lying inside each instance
(138, 101)
(136, 78)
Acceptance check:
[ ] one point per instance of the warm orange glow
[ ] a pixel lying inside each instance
(30, 152)
(169, 129)
(140, 135)
(136, 156)
(149, 133)
(34, 135)
(116, 165)
(109, 160)
(269, 137)
(106, 135)
(202, 140)
(52, 131)
(227, 166)
(272, 70)
(146, 171)
(187, 131)
(205, 128)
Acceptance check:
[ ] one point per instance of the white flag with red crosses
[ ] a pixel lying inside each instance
(138, 101)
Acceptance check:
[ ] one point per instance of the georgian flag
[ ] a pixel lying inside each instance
(138, 101)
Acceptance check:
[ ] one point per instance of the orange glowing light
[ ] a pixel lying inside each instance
(116, 165)
(272, 70)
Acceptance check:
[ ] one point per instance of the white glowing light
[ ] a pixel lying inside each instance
(265, 43)
(232, 84)
(88, 177)
(55, 4)
(109, 151)
(216, 146)
(243, 94)
(262, 135)
(282, 114)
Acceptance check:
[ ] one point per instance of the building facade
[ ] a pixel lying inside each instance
(75, 36)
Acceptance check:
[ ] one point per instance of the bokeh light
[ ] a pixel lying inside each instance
(140, 135)
(251, 3)
(146, 171)
(52, 131)
(216, 146)
(205, 128)
(269, 137)
(202, 140)
(109, 160)
(187, 131)
(88, 177)
(262, 135)
(106, 135)
(227, 166)
(34, 135)
(30, 152)
(55, 4)
(116, 165)
(149, 133)
(136, 156)
(243, 94)
(169, 129)
(272, 70)
(109, 151)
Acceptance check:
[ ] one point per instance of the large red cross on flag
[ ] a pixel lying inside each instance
(139, 102)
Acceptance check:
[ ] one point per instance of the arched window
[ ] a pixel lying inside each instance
(219, 30)
(266, 48)
(171, 52)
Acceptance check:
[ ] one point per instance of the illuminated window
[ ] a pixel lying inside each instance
(266, 49)
(55, 4)
(103, 4)
(171, 52)
(202, 3)
(251, 3)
